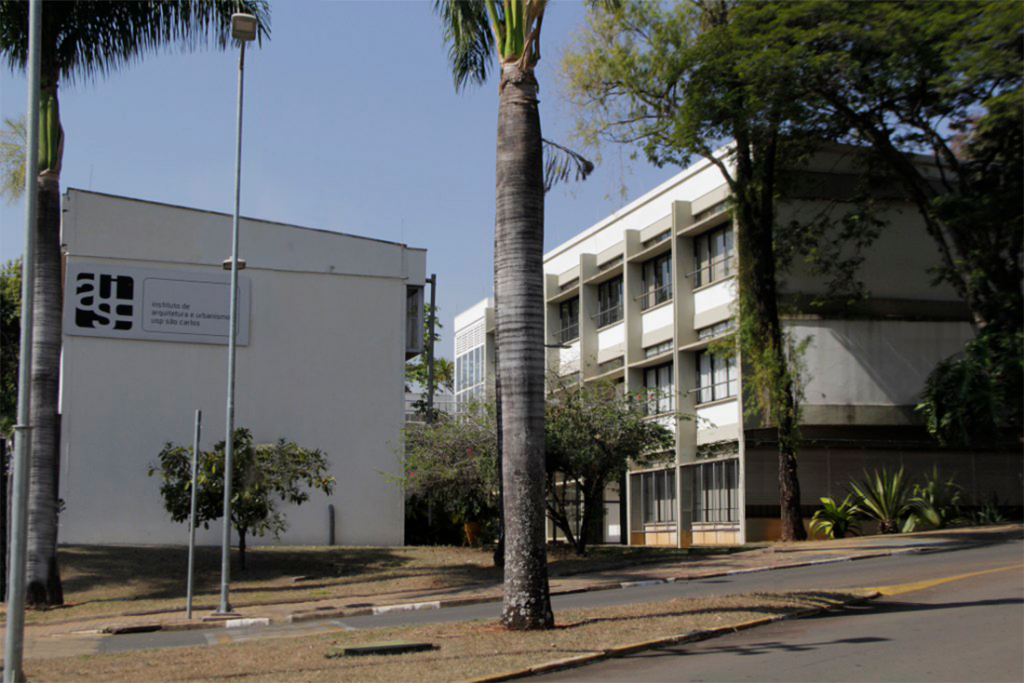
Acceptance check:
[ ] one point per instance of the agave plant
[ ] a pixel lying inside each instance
(884, 497)
(836, 520)
(937, 503)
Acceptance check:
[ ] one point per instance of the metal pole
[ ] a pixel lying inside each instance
(229, 443)
(430, 350)
(192, 512)
(14, 641)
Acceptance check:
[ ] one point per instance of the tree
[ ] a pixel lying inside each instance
(678, 81)
(594, 432)
(81, 40)
(12, 159)
(444, 370)
(264, 476)
(453, 462)
(476, 32)
(10, 343)
(934, 78)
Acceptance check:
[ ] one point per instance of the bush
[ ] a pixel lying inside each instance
(836, 520)
(885, 498)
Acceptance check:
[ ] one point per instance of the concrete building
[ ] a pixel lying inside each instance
(326, 323)
(637, 299)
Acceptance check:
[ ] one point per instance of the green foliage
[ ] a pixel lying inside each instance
(593, 433)
(971, 398)
(835, 520)
(444, 369)
(454, 463)
(264, 476)
(988, 513)
(936, 504)
(10, 343)
(12, 159)
(885, 498)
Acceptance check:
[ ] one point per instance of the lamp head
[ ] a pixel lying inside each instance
(244, 27)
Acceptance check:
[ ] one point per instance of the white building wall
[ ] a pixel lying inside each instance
(323, 368)
(874, 362)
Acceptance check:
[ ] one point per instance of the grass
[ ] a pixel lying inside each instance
(129, 580)
(465, 650)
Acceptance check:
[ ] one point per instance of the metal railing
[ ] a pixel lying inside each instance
(659, 295)
(713, 388)
(716, 269)
(568, 333)
(608, 316)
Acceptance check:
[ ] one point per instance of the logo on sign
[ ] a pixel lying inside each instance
(104, 302)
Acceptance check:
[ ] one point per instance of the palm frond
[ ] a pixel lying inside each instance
(91, 39)
(470, 38)
(12, 159)
(562, 163)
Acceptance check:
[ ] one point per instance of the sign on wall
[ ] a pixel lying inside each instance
(152, 304)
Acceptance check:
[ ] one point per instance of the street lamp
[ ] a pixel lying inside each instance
(243, 29)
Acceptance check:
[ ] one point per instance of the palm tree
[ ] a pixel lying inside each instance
(476, 33)
(81, 40)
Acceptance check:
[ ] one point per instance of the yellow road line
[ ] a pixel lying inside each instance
(901, 588)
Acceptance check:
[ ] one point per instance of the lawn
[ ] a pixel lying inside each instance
(464, 650)
(102, 580)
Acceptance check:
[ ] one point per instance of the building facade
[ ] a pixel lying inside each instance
(326, 323)
(638, 298)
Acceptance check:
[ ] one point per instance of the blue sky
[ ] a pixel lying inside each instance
(351, 124)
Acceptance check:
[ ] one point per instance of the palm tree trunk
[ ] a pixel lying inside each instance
(43, 580)
(519, 278)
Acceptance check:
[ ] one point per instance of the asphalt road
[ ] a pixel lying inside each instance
(966, 630)
(864, 573)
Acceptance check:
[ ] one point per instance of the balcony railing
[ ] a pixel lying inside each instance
(569, 333)
(655, 296)
(608, 316)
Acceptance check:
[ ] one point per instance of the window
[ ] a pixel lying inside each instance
(569, 317)
(716, 491)
(470, 373)
(716, 330)
(713, 255)
(660, 237)
(658, 496)
(717, 377)
(657, 349)
(657, 281)
(658, 389)
(613, 364)
(609, 302)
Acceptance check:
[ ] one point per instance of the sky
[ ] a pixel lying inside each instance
(351, 123)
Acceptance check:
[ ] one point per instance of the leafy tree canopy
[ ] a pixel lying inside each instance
(265, 475)
(10, 343)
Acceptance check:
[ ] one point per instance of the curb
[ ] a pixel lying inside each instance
(683, 638)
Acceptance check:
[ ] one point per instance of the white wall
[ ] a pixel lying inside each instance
(324, 368)
(874, 362)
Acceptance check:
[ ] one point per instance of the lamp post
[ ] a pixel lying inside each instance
(243, 29)
(14, 641)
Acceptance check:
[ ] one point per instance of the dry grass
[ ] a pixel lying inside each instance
(123, 580)
(465, 650)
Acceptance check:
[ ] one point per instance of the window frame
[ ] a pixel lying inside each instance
(717, 367)
(610, 314)
(569, 331)
(714, 252)
(656, 274)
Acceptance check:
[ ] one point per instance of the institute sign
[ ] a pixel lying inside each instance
(153, 304)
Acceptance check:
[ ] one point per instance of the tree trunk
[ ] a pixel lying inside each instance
(759, 311)
(241, 549)
(43, 581)
(519, 278)
(499, 547)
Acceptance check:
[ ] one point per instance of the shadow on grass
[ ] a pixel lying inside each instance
(125, 573)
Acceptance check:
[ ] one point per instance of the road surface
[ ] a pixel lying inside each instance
(863, 573)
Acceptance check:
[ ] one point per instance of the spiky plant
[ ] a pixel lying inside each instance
(82, 41)
(937, 503)
(884, 497)
(835, 520)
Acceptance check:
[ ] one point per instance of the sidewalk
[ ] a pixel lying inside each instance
(776, 556)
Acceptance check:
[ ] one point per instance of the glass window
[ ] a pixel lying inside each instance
(713, 256)
(717, 377)
(657, 281)
(716, 491)
(569, 318)
(609, 302)
(658, 389)
(658, 490)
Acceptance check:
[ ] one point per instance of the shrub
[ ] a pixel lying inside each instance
(885, 498)
(835, 520)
